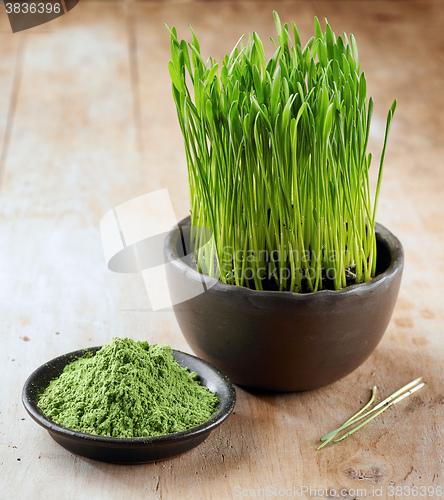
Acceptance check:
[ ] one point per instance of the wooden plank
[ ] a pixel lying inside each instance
(272, 438)
(11, 48)
(95, 126)
(72, 157)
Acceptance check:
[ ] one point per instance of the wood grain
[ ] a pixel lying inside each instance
(91, 125)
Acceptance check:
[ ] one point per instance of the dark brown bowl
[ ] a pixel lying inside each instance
(283, 341)
(130, 450)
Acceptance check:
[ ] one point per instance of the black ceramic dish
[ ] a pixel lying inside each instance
(130, 450)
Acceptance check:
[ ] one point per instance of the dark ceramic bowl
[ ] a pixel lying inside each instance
(130, 450)
(283, 341)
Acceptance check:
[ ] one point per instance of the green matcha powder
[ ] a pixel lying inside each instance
(127, 389)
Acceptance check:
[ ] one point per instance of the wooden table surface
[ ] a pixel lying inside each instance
(87, 122)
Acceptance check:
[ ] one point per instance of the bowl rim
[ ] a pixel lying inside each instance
(383, 235)
(222, 412)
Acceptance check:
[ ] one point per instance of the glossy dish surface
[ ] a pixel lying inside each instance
(130, 450)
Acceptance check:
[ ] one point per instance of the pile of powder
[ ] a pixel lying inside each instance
(127, 389)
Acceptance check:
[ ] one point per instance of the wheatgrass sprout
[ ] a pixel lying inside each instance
(393, 399)
(277, 160)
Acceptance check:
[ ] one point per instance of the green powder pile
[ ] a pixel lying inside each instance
(127, 389)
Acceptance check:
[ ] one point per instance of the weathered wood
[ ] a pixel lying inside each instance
(93, 125)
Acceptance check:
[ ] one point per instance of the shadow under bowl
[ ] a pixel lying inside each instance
(130, 450)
